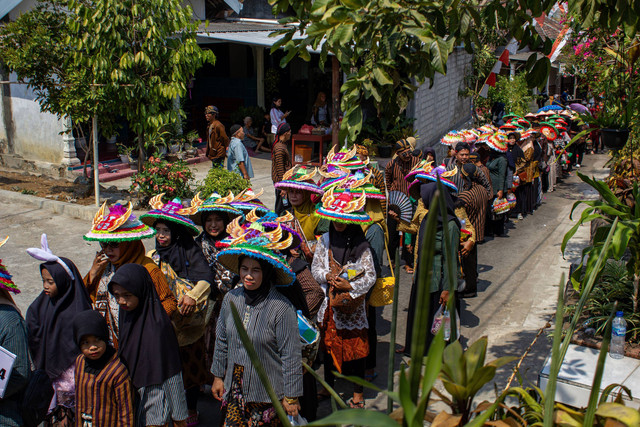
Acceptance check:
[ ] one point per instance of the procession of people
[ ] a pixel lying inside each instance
(137, 338)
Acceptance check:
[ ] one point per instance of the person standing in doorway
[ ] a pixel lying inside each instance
(217, 138)
(276, 115)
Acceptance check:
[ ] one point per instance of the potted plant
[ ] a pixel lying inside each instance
(125, 153)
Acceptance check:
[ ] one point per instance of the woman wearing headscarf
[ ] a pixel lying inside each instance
(189, 276)
(120, 236)
(497, 165)
(149, 348)
(214, 215)
(343, 265)
(280, 163)
(13, 338)
(270, 321)
(49, 317)
(439, 286)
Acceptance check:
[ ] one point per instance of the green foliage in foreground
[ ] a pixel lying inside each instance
(220, 180)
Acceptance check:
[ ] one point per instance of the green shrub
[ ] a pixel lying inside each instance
(513, 92)
(221, 181)
(160, 176)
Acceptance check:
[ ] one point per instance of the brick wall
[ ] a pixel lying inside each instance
(440, 109)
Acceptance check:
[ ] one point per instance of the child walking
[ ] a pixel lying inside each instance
(103, 387)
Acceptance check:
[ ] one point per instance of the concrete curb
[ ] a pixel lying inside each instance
(72, 210)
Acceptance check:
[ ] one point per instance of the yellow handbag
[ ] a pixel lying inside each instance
(382, 293)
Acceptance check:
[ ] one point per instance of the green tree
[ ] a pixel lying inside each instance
(143, 52)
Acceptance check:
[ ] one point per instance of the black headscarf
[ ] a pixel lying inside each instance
(514, 153)
(432, 151)
(147, 344)
(183, 255)
(49, 320)
(91, 322)
(256, 296)
(427, 193)
(348, 245)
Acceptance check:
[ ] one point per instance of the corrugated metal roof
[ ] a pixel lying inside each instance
(7, 6)
(253, 38)
(237, 27)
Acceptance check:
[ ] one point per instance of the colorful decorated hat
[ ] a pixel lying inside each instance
(346, 207)
(529, 133)
(259, 244)
(424, 166)
(347, 159)
(215, 203)
(120, 225)
(301, 178)
(452, 138)
(6, 281)
(173, 212)
(269, 221)
(247, 201)
(444, 175)
(549, 131)
(358, 181)
(498, 142)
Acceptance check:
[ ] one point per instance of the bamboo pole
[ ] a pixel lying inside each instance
(96, 175)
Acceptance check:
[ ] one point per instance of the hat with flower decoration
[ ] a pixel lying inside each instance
(346, 207)
(173, 212)
(119, 225)
(247, 201)
(255, 242)
(269, 222)
(6, 281)
(347, 159)
(216, 203)
(443, 174)
(300, 177)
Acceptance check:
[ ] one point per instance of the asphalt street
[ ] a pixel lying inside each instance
(519, 276)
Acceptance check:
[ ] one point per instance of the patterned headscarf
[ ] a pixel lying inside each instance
(361, 150)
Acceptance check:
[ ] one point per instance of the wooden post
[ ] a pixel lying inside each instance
(335, 96)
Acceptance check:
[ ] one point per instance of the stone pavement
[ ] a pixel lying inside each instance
(517, 293)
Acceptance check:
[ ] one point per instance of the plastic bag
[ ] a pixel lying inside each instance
(437, 320)
(443, 319)
(298, 420)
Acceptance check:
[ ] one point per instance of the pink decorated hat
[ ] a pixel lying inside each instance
(301, 178)
(6, 281)
(120, 225)
(346, 207)
(173, 212)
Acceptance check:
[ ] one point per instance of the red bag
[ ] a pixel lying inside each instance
(306, 129)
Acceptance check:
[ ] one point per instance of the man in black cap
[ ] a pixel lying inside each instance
(217, 139)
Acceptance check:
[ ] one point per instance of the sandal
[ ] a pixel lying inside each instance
(354, 405)
(192, 420)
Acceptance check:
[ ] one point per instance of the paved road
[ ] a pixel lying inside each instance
(519, 276)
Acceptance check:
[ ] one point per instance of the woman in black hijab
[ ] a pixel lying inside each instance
(51, 342)
(177, 251)
(148, 347)
(439, 288)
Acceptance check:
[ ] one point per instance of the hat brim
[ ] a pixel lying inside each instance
(229, 258)
(249, 206)
(368, 193)
(140, 232)
(350, 218)
(151, 217)
(431, 178)
(306, 186)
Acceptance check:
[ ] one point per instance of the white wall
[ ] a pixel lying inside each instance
(36, 134)
(440, 109)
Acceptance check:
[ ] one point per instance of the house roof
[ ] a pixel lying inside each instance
(7, 6)
(226, 26)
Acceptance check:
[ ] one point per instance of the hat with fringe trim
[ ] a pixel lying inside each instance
(120, 225)
(173, 212)
(498, 142)
(247, 201)
(6, 281)
(444, 175)
(549, 131)
(270, 221)
(215, 203)
(255, 242)
(452, 138)
(424, 166)
(347, 159)
(347, 207)
(301, 178)
(360, 181)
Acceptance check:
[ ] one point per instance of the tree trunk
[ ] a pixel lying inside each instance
(636, 283)
(87, 152)
(140, 150)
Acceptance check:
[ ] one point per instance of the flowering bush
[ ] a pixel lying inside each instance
(159, 176)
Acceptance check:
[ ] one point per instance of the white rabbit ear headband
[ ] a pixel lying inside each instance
(44, 254)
